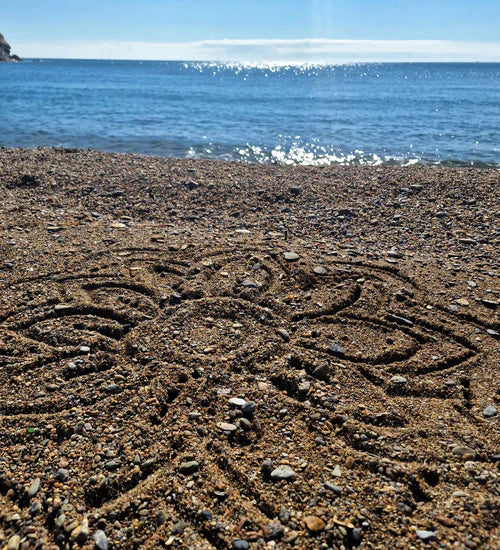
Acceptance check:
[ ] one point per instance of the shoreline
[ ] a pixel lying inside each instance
(198, 352)
(270, 160)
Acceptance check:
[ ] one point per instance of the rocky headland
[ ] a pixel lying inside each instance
(5, 54)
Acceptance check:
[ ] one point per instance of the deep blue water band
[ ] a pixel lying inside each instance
(391, 113)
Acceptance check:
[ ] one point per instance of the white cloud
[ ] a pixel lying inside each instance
(291, 51)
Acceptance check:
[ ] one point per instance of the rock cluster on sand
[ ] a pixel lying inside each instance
(273, 357)
(5, 54)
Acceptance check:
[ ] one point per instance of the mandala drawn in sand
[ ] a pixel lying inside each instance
(131, 354)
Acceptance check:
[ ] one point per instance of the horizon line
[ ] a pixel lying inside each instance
(263, 62)
(286, 51)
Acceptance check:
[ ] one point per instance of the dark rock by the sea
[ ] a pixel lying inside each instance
(5, 51)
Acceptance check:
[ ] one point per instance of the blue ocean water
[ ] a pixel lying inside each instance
(395, 113)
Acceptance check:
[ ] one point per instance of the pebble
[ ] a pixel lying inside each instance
(320, 270)
(489, 411)
(85, 349)
(304, 387)
(179, 528)
(284, 515)
(336, 350)
(399, 320)
(266, 468)
(206, 515)
(291, 256)
(397, 379)
(426, 536)
(403, 508)
(111, 464)
(349, 462)
(226, 427)
(337, 471)
(14, 542)
(322, 372)
(314, 523)
(333, 488)
(189, 467)
(245, 424)
(101, 540)
(249, 408)
(282, 472)
(237, 403)
(61, 475)
(357, 536)
(284, 334)
(492, 332)
(161, 517)
(33, 488)
(461, 450)
(240, 545)
(80, 533)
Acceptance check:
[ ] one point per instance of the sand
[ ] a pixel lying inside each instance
(197, 354)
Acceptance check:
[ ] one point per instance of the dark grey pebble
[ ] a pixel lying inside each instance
(284, 516)
(240, 545)
(161, 517)
(249, 408)
(336, 350)
(189, 467)
(403, 508)
(266, 468)
(333, 488)
(399, 320)
(245, 424)
(357, 536)
(322, 372)
(61, 475)
(206, 515)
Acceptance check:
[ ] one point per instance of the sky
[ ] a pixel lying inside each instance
(255, 30)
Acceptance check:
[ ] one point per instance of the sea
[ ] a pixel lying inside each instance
(362, 113)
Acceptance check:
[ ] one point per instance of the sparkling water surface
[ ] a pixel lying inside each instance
(389, 113)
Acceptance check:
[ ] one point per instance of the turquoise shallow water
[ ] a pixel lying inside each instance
(363, 113)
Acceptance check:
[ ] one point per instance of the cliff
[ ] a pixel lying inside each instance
(5, 51)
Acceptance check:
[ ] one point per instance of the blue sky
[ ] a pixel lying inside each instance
(252, 29)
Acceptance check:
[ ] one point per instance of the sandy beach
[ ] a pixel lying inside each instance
(197, 354)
